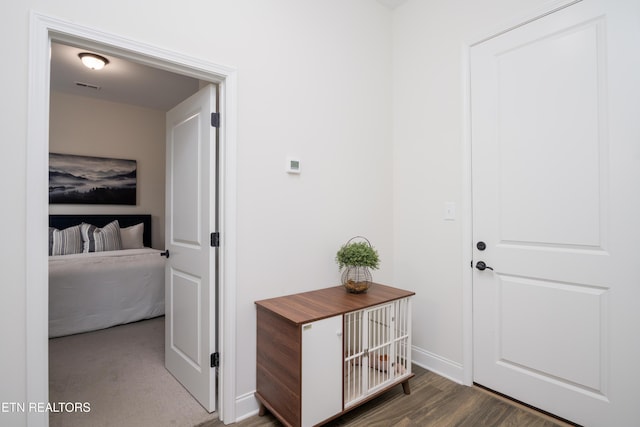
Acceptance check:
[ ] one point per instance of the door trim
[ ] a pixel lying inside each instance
(43, 29)
(545, 9)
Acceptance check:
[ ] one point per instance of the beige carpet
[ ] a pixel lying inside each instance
(120, 372)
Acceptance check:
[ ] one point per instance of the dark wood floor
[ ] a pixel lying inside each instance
(434, 401)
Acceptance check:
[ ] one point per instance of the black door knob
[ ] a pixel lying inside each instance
(165, 253)
(481, 246)
(481, 265)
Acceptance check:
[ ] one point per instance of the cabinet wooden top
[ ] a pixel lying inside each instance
(315, 305)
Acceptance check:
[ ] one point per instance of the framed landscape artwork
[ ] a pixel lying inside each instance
(91, 180)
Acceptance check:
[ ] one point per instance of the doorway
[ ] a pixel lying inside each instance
(44, 31)
(124, 118)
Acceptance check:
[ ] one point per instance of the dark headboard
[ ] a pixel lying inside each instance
(64, 221)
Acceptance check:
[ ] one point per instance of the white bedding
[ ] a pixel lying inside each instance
(97, 290)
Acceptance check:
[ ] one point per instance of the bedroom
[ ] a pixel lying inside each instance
(124, 119)
(408, 68)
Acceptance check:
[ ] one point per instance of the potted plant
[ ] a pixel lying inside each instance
(354, 259)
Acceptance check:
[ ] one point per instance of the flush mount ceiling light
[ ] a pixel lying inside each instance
(93, 61)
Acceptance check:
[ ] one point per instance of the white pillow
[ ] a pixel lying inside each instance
(96, 239)
(132, 236)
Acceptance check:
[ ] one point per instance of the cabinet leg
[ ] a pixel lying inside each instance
(262, 410)
(406, 388)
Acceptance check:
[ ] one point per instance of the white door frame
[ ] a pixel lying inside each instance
(44, 29)
(467, 195)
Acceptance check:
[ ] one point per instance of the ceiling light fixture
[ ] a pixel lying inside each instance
(93, 61)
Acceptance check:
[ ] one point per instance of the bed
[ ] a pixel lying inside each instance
(104, 288)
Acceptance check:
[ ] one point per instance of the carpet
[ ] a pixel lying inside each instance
(120, 373)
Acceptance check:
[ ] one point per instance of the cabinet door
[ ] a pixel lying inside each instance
(321, 370)
(369, 351)
(377, 348)
(379, 333)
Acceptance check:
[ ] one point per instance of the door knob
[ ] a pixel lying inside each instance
(165, 253)
(481, 246)
(481, 265)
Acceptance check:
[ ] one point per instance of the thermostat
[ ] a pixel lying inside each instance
(293, 165)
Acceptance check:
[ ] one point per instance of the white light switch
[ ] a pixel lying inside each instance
(449, 211)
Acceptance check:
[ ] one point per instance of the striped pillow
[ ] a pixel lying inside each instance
(97, 239)
(65, 242)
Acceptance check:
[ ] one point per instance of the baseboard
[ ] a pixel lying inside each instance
(246, 406)
(437, 364)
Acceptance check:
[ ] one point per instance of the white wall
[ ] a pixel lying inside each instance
(313, 81)
(89, 127)
(428, 110)
(317, 79)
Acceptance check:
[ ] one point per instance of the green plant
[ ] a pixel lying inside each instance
(357, 254)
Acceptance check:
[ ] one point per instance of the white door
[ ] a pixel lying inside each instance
(556, 200)
(190, 329)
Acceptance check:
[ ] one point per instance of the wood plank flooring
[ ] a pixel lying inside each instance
(434, 401)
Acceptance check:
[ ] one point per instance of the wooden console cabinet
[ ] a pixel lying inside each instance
(324, 352)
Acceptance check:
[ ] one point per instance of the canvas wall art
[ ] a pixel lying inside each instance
(91, 180)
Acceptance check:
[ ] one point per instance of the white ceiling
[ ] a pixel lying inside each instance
(121, 80)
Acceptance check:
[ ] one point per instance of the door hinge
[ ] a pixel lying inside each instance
(215, 239)
(215, 120)
(215, 360)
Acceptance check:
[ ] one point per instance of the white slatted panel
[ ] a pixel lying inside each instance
(377, 348)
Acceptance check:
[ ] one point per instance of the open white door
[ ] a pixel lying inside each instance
(556, 204)
(190, 328)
